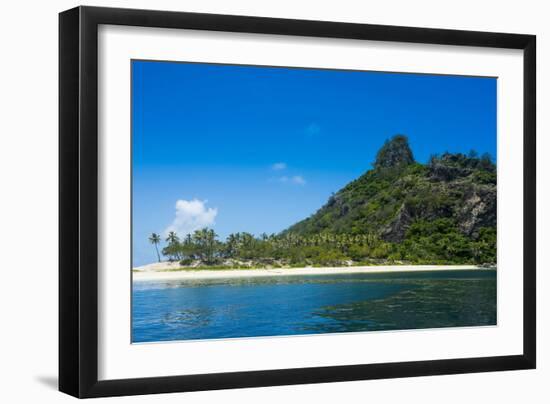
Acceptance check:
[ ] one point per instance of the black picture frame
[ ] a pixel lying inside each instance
(78, 201)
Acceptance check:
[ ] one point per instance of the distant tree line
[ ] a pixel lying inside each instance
(427, 243)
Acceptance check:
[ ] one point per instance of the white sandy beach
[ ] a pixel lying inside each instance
(160, 271)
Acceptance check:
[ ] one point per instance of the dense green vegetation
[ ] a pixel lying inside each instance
(443, 212)
(243, 249)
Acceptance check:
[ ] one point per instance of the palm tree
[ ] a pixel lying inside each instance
(210, 236)
(172, 237)
(232, 245)
(154, 238)
(173, 245)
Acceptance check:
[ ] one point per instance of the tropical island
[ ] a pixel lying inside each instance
(400, 212)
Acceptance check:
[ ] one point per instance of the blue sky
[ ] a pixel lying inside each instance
(244, 148)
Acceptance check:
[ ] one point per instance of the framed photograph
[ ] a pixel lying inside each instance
(250, 201)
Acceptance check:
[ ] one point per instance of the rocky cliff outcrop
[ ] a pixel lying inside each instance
(395, 153)
(399, 193)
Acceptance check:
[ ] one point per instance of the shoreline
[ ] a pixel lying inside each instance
(255, 273)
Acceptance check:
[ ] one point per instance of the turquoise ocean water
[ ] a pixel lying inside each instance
(312, 304)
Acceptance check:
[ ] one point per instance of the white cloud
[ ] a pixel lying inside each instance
(278, 166)
(190, 216)
(295, 180)
(298, 180)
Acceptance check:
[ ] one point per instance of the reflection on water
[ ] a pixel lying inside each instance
(313, 304)
(425, 305)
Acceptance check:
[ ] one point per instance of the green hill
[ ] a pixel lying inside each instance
(440, 212)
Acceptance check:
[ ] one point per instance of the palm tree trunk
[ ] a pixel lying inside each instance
(157, 248)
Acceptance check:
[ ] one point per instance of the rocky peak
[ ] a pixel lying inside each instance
(450, 166)
(395, 153)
